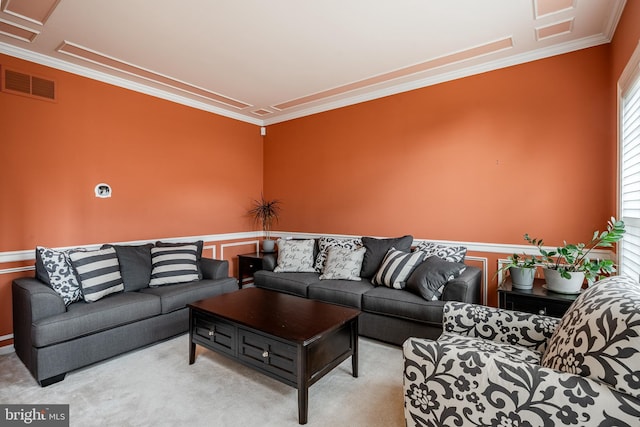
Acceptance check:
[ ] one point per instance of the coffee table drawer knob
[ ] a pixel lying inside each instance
(265, 354)
(212, 333)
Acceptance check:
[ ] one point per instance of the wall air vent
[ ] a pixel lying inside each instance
(25, 84)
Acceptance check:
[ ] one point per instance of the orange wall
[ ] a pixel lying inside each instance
(174, 170)
(485, 158)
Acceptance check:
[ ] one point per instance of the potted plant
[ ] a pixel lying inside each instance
(522, 270)
(566, 268)
(265, 213)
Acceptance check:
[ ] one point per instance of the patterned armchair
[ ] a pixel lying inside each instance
(494, 367)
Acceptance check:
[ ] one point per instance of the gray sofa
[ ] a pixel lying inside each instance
(52, 338)
(389, 315)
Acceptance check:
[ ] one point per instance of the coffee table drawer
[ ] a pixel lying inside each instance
(268, 354)
(214, 334)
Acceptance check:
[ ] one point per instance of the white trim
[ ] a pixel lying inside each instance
(322, 105)
(16, 270)
(29, 254)
(497, 248)
(213, 250)
(535, 55)
(247, 242)
(485, 275)
(6, 349)
(79, 70)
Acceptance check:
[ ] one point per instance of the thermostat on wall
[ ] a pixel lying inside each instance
(103, 190)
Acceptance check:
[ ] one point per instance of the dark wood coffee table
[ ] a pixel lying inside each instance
(291, 339)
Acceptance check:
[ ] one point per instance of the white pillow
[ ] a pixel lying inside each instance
(324, 243)
(343, 263)
(295, 256)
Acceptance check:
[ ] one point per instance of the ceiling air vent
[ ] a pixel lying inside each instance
(25, 84)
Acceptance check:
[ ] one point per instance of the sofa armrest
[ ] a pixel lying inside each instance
(513, 327)
(269, 261)
(214, 268)
(32, 301)
(447, 384)
(465, 288)
(35, 300)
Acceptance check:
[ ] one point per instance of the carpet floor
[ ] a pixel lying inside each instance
(155, 386)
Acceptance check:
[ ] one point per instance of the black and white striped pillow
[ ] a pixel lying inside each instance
(396, 267)
(98, 271)
(173, 264)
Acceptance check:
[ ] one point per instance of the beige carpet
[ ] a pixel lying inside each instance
(155, 386)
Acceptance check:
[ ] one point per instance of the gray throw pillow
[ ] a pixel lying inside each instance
(135, 265)
(377, 249)
(430, 277)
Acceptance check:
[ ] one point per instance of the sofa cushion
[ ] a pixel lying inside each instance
(54, 268)
(82, 318)
(343, 292)
(396, 267)
(378, 248)
(327, 242)
(173, 264)
(135, 265)
(199, 247)
(343, 264)
(403, 304)
(599, 336)
(290, 283)
(295, 256)
(98, 272)
(430, 277)
(446, 252)
(177, 296)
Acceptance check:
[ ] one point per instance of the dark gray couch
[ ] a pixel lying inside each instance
(389, 315)
(52, 339)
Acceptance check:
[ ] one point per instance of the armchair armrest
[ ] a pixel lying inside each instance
(527, 330)
(214, 268)
(449, 384)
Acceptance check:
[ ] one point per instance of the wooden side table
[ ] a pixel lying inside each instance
(247, 265)
(537, 300)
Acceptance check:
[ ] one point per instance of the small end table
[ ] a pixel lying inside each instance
(247, 265)
(537, 300)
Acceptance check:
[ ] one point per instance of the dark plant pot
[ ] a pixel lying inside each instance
(522, 278)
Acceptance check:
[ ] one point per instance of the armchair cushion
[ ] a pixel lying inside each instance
(599, 336)
(531, 331)
(474, 382)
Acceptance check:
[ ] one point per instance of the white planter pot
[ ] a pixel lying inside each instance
(268, 245)
(557, 283)
(522, 278)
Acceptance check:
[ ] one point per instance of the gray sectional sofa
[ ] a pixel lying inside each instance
(53, 336)
(388, 314)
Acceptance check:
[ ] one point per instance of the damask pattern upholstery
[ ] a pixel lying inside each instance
(485, 369)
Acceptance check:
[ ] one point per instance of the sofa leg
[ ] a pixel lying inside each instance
(52, 380)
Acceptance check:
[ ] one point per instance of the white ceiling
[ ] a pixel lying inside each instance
(269, 61)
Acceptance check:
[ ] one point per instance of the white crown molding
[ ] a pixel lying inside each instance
(59, 64)
(509, 61)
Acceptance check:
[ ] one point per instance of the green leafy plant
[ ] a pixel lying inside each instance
(518, 261)
(265, 213)
(571, 257)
